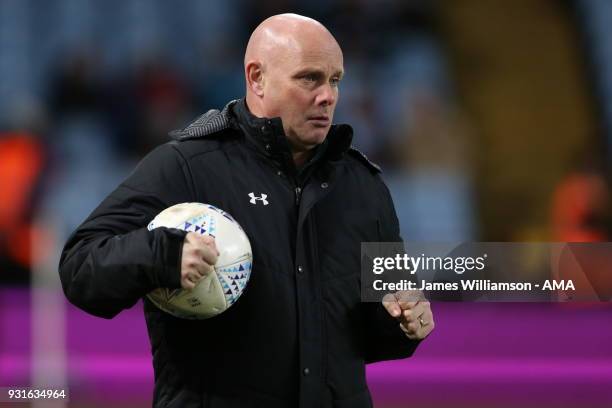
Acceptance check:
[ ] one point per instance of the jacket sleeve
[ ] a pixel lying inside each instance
(385, 340)
(112, 260)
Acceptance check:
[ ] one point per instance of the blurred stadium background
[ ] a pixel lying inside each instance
(492, 120)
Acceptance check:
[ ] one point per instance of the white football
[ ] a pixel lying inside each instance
(217, 291)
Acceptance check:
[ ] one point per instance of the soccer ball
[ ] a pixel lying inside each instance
(220, 289)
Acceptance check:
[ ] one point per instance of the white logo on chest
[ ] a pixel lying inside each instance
(263, 198)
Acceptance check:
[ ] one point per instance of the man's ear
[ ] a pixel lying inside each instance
(255, 77)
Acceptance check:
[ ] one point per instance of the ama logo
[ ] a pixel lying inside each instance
(558, 285)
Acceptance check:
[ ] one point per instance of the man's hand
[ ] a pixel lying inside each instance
(413, 312)
(199, 255)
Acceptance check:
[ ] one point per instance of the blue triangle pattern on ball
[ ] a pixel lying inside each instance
(224, 284)
(239, 272)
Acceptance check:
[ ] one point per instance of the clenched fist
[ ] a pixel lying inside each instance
(412, 311)
(199, 257)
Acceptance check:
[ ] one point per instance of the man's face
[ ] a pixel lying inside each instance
(301, 88)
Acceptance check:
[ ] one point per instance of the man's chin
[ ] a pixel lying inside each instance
(310, 139)
(317, 135)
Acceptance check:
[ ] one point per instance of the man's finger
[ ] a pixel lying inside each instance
(420, 322)
(186, 283)
(412, 314)
(427, 317)
(211, 243)
(203, 268)
(411, 328)
(408, 299)
(390, 303)
(209, 254)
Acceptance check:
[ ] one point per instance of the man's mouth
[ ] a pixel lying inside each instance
(320, 120)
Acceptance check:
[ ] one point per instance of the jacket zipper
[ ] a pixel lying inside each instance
(298, 195)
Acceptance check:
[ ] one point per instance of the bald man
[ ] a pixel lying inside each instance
(299, 336)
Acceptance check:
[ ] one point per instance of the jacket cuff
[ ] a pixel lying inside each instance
(171, 256)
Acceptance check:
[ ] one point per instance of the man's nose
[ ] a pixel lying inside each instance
(327, 95)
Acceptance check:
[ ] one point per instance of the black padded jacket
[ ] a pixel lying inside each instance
(299, 336)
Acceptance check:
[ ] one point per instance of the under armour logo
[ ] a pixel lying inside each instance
(254, 198)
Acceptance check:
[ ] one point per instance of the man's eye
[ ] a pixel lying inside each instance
(335, 81)
(309, 78)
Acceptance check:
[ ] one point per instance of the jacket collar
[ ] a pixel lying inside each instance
(268, 135)
(265, 134)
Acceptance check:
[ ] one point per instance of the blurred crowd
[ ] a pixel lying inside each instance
(101, 84)
(87, 88)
